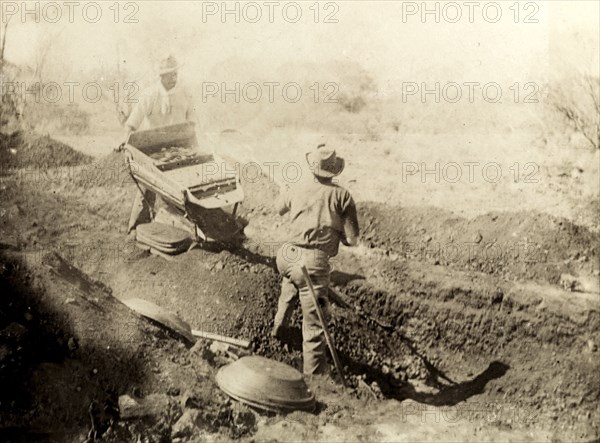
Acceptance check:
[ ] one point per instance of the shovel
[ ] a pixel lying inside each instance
(172, 322)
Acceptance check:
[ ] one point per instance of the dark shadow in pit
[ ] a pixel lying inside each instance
(42, 359)
(292, 338)
(454, 394)
(446, 395)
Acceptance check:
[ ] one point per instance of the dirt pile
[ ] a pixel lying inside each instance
(29, 150)
(109, 171)
(520, 245)
(27, 221)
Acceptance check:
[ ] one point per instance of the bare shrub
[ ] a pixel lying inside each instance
(578, 102)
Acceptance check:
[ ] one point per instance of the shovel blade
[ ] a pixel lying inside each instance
(160, 315)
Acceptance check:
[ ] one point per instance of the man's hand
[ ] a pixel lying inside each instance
(349, 241)
(129, 131)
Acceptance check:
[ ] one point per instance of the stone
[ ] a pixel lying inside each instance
(592, 347)
(14, 330)
(184, 427)
(152, 405)
(219, 348)
(173, 391)
(190, 400)
(72, 344)
(5, 352)
(569, 282)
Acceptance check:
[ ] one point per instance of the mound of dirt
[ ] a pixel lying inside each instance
(25, 150)
(521, 245)
(259, 196)
(109, 171)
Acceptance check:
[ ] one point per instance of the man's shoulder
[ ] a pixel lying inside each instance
(339, 189)
(342, 197)
(329, 190)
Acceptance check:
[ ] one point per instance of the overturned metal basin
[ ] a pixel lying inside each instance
(266, 384)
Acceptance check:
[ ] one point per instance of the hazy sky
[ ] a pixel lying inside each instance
(388, 41)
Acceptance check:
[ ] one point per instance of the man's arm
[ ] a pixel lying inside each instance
(141, 110)
(351, 232)
(135, 119)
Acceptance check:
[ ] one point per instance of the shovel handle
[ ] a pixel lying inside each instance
(336, 361)
(245, 344)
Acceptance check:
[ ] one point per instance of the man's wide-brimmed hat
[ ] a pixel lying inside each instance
(324, 162)
(169, 65)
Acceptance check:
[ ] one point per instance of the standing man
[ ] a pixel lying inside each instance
(322, 214)
(161, 104)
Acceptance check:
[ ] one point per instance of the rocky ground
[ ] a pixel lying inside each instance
(450, 327)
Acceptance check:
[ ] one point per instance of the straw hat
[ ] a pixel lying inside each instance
(324, 162)
(169, 65)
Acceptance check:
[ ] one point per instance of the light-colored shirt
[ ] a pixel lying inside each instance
(158, 107)
(322, 214)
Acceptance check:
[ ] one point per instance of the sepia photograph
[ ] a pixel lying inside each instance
(299, 221)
